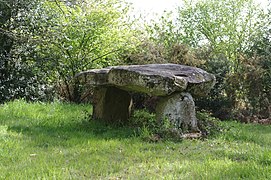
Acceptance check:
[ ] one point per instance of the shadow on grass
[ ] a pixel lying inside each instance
(77, 132)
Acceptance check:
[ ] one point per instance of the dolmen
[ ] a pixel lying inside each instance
(174, 84)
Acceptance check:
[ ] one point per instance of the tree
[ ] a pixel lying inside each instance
(228, 27)
(59, 39)
(79, 37)
(220, 33)
(17, 78)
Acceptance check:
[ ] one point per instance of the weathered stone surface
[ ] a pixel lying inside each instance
(173, 83)
(153, 79)
(94, 77)
(111, 104)
(179, 109)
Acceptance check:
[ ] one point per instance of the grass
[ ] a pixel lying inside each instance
(57, 141)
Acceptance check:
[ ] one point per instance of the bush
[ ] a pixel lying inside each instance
(243, 92)
(149, 129)
(208, 125)
(44, 44)
(21, 82)
(252, 86)
(19, 75)
(218, 102)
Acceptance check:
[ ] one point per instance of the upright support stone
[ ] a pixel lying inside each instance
(98, 102)
(179, 109)
(111, 104)
(169, 82)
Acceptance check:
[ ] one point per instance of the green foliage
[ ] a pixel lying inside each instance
(149, 52)
(227, 26)
(54, 141)
(252, 85)
(43, 44)
(79, 37)
(208, 125)
(258, 75)
(19, 78)
(150, 130)
(220, 37)
(47, 42)
(218, 102)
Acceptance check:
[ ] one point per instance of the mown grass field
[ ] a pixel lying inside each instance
(57, 141)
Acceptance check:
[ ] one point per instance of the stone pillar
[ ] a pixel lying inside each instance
(179, 109)
(111, 104)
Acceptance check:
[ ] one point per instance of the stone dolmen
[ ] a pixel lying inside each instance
(175, 85)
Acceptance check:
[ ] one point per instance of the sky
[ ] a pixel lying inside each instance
(151, 7)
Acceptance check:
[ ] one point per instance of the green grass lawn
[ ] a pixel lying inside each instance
(57, 141)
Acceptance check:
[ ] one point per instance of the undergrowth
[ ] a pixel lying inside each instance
(149, 129)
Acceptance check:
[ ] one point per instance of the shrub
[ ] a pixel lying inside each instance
(218, 102)
(149, 129)
(19, 76)
(208, 125)
(252, 85)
